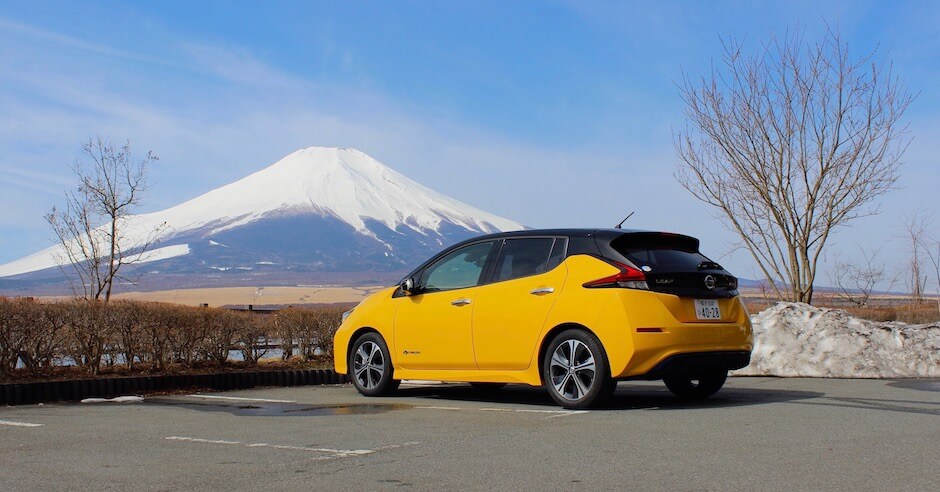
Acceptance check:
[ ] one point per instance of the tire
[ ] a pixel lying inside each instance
(488, 387)
(370, 368)
(582, 381)
(696, 387)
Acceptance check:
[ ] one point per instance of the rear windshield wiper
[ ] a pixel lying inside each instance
(709, 265)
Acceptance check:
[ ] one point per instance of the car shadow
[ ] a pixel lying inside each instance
(628, 396)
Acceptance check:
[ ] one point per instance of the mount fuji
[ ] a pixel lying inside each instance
(318, 215)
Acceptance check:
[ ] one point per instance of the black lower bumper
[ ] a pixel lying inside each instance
(697, 363)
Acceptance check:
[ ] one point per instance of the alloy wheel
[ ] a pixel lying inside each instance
(369, 365)
(573, 370)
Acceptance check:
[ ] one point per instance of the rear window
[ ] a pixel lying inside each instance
(662, 252)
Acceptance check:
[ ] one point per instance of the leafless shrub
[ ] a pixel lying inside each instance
(220, 329)
(90, 333)
(287, 323)
(14, 314)
(252, 335)
(94, 335)
(183, 335)
(156, 327)
(46, 326)
(311, 328)
(855, 282)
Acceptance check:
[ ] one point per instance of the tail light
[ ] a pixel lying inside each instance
(627, 278)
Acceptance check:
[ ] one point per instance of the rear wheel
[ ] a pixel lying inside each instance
(370, 368)
(575, 370)
(698, 386)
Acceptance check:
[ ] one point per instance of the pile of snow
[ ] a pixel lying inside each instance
(119, 399)
(800, 340)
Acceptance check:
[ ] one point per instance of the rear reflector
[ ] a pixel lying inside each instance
(649, 330)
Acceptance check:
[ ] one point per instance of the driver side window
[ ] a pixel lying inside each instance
(459, 269)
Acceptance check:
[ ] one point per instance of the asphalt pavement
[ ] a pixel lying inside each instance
(757, 433)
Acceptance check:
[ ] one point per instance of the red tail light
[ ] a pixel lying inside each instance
(627, 278)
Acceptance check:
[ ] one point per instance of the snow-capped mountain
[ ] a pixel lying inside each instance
(318, 209)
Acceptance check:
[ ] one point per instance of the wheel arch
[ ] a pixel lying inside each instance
(552, 333)
(355, 336)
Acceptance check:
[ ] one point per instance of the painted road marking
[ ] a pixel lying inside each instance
(551, 414)
(239, 398)
(13, 423)
(331, 453)
(196, 439)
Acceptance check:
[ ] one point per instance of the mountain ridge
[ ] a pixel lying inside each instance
(316, 209)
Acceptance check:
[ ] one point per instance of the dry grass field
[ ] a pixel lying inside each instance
(265, 296)
(887, 307)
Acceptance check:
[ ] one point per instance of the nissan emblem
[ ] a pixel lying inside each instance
(709, 282)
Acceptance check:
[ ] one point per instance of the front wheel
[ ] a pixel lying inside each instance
(575, 370)
(370, 368)
(696, 387)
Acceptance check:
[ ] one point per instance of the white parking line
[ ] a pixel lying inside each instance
(330, 453)
(239, 398)
(552, 414)
(196, 439)
(13, 423)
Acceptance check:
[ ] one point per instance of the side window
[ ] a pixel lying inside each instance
(559, 251)
(524, 257)
(459, 269)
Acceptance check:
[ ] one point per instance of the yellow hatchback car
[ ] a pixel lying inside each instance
(574, 310)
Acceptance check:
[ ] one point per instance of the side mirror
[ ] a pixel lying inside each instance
(407, 286)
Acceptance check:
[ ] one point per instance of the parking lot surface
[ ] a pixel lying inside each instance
(757, 433)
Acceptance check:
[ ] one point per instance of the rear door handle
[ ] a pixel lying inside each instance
(463, 301)
(542, 291)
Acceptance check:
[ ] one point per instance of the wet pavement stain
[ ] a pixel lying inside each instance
(266, 409)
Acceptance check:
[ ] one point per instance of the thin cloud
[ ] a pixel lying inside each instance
(37, 33)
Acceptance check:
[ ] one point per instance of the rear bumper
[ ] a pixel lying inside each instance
(697, 362)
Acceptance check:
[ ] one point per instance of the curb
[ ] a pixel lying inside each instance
(79, 389)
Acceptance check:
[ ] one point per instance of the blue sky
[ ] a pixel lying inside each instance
(549, 113)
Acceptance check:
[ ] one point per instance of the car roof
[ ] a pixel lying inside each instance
(582, 232)
(604, 233)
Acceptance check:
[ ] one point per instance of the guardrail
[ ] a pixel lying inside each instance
(79, 389)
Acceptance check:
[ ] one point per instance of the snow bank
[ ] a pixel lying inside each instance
(119, 399)
(801, 340)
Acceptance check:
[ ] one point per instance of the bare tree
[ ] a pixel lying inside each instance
(916, 226)
(90, 228)
(855, 281)
(788, 145)
(933, 252)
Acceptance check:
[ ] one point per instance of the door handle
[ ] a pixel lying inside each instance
(463, 301)
(542, 291)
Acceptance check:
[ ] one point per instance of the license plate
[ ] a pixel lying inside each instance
(707, 309)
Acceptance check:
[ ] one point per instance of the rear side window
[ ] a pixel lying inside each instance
(662, 252)
(528, 256)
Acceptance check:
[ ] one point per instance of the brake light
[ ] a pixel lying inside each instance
(627, 278)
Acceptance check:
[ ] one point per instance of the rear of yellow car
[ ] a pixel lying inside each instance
(668, 311)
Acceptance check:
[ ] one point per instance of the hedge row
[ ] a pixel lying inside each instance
(75, 390)
(35, 336)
